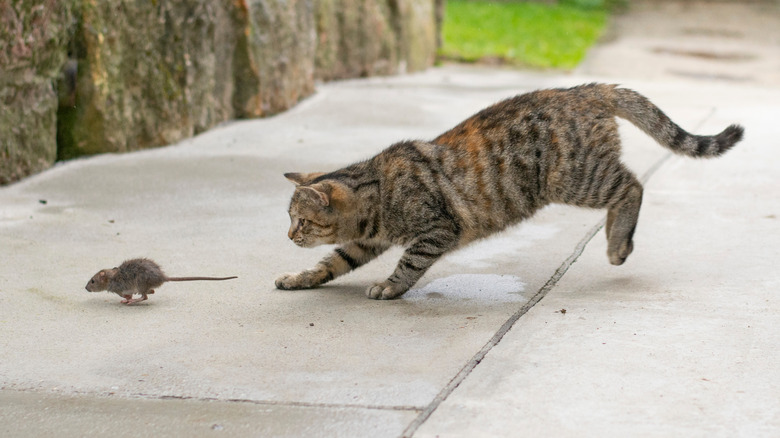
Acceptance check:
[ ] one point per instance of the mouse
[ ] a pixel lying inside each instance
(135, 276)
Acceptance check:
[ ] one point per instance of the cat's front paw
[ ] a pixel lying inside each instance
(385, 291)
(294, 281)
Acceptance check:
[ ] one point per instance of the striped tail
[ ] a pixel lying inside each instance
(638, 110)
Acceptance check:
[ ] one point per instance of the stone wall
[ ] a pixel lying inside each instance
(81, 77)
(33, 35)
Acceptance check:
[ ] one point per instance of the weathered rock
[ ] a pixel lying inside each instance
(33, 38)
(374, 37)
(148, 74)
(356, 38)
(279, 51)
(418, 32)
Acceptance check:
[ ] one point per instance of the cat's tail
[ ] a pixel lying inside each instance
(638, 110)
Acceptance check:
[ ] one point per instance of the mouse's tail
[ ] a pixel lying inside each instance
(198, 278)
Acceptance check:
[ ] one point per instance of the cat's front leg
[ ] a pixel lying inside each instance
(413, 264)
(339, 262)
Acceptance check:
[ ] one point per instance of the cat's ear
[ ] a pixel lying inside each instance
(319, 193)
(302, 178)
(295, 178)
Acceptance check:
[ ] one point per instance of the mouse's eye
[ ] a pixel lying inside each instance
(91, 281)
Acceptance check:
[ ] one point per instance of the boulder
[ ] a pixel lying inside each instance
(418, 30)
(147, 74)
(276, 53)
(358, 38)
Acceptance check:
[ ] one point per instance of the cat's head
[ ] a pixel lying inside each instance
(321, 212)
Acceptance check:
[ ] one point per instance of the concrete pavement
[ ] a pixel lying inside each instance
(680, 341)
(731, 42)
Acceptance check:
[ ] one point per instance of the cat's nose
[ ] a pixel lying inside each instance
(290, 233)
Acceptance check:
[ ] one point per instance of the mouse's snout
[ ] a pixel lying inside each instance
(99, 282)
(92, 286)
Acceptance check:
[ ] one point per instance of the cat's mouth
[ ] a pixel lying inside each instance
(309, 243)
(304, 243)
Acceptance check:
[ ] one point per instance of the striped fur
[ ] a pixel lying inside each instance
(489, 172)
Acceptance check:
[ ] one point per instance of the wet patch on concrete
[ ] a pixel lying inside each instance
(487, 287)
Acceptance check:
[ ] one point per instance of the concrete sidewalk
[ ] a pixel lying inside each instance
(679, 341)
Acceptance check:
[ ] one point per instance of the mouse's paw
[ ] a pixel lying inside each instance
(386, 290)
(135, 300)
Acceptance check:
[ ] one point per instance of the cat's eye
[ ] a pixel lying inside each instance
(304, 222)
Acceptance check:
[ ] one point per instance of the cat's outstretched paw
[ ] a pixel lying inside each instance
(385, 291)
(293, 281)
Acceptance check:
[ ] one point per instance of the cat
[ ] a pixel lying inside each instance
(491, 171)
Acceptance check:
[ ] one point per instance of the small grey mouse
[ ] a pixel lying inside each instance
(135, 276)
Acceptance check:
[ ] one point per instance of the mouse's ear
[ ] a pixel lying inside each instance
(105, 272)
(302, 178)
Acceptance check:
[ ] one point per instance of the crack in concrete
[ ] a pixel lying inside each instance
(280, 403)
(299, 404)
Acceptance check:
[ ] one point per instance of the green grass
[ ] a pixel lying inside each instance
(525, 34)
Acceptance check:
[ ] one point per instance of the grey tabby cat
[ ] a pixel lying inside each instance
(493, 170)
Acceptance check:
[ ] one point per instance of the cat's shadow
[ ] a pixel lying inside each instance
(627, 285)
(416, 303)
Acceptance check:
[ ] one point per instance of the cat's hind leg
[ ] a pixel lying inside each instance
(608, 183)
(342, 260)
(622, 218)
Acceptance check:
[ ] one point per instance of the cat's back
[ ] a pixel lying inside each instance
(503, 163)
(525, 117)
